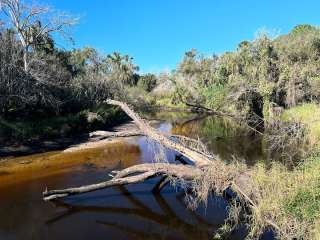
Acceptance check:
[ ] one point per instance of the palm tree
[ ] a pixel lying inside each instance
(122, 68)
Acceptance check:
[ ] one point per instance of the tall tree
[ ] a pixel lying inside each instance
(122, 68)
(33, 23)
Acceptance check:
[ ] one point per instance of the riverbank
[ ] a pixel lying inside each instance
(20, 137)
(289, 199)
(100, 149)
(294, 206)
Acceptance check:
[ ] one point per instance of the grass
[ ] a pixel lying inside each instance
(290, 199)
(286, 200)
(308, 114)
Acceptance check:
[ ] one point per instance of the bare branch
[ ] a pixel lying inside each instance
(34, 22)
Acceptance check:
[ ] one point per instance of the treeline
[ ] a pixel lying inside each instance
(282, 70)
(36, 77)
(59, 81)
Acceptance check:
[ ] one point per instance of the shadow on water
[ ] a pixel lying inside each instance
(130, 212)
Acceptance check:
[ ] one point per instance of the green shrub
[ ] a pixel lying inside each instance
(147, 82)
(305, 205)
(215, 96)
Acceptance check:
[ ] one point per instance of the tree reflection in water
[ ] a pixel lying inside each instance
(169, 220)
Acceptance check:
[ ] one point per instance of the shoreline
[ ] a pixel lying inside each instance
(61, 144)
(101, 149)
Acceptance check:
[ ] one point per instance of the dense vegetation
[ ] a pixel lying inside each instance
(39, 81)
(62, 87)
(283, 70)
(52, 81)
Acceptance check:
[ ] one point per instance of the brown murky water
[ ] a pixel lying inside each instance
(130, 212)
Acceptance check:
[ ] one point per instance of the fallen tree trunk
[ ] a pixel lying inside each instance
(130, 175)
(55, 194)
(99, 135)
(199, 159)
(203, 109)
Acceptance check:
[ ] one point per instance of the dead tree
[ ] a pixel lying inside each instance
(138, 173)
(33, 23)
(200, 160)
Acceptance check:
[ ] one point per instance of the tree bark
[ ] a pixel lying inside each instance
(25, 60)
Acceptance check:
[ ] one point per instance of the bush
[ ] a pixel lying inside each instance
(148, 82)
(215, 96)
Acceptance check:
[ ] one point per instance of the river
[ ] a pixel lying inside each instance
(130, 212)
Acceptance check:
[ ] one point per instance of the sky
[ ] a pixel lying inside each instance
(157, 33)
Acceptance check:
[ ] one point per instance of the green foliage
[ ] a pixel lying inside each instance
(305, 205)
(59, 126)
(309, 115)
(147, 82)
(108, 116)
(284, 70)
(303, 28)
(35, 129)
(215, 95)
(122, 68)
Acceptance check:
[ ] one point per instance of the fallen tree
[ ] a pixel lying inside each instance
(203, 109)
(200, 160)
(143, 171)
(200, 163)
(209, 111)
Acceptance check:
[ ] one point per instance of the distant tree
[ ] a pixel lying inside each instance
(189, 66)
(303, 28)
(122, 68)
(84, 60)
(147, 82)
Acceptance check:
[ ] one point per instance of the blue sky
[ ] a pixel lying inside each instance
(156, 33)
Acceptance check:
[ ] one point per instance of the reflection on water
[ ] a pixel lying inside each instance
(225, 138)
(130, 212)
